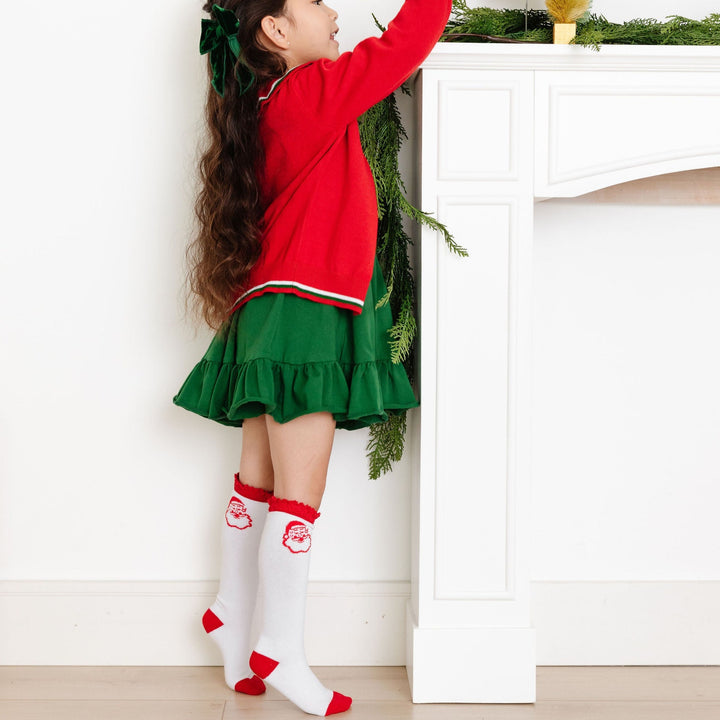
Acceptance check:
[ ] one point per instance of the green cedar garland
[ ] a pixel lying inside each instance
(677, 31)
(487, 25)
(381, 133)
(484, 24)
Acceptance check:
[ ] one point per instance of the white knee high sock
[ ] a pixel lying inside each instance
(279, 656)
(228, 620)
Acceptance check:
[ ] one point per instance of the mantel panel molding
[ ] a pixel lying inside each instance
(597, 129)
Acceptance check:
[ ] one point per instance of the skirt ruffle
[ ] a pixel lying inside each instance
(287, 356)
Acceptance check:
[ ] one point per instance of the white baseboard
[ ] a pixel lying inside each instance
(627, 623)
(159, 623)
(350, 623)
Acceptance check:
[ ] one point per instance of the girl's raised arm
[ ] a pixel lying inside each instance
(338, 92)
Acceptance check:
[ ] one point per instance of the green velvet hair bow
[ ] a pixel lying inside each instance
(219, 38)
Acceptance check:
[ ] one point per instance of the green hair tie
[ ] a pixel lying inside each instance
(219, 38)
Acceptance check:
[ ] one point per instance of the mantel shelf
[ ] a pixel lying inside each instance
(544, 56)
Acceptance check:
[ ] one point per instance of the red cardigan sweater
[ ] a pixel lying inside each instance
(321, 213)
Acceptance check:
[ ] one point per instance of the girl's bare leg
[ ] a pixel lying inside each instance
(300, 451)
(256, 467)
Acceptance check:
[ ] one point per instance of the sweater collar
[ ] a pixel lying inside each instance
(267, 89)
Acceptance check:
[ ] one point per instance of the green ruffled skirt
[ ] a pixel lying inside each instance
(287, 356)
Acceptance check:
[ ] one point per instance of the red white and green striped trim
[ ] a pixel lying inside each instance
(278, 81)
(297, 288)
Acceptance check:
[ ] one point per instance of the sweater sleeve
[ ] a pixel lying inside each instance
(337, 92)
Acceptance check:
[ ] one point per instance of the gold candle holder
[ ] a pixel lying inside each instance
(563, 33)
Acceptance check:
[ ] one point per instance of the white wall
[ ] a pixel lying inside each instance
(98, 162)
(626, 392)
(107, 489)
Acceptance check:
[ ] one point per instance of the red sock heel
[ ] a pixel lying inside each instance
(211, 621)
(262, 665)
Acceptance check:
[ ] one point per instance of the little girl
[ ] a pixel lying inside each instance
(284, 269)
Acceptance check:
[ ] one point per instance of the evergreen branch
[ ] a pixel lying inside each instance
(386, 444)
(449, 37)
(403, 333)
(381, 136)
(425, 219)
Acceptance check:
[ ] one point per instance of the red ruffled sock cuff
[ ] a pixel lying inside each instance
(250, 492)
(293, 507)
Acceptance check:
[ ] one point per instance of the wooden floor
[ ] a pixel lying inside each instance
(380, 693)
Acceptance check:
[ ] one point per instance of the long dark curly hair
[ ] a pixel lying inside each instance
(228, 206)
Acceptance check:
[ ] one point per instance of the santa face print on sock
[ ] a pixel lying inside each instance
(296, 537)
(237, 514)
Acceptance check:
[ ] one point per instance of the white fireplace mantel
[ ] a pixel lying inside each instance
(501, 126)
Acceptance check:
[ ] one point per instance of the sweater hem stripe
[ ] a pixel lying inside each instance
(308, 290)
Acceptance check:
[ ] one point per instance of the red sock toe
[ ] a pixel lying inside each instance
(251, 686)
(339, 703)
